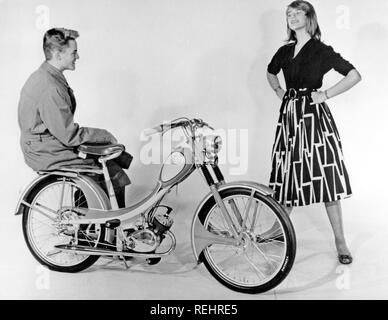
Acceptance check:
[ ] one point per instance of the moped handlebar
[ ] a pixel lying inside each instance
(182, 122)
(160, 129)
(202, 123)
(152, 131)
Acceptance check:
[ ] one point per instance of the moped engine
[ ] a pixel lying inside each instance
(143, 240)
(161, 221)
(149, 238)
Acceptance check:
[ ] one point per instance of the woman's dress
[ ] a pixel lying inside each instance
(307, 160)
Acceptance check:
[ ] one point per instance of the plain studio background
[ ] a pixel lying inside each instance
(145, 62)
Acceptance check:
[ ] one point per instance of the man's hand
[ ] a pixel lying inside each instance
(113, 140)
(109, 138)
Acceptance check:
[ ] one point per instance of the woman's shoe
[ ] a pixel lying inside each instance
(345, 258)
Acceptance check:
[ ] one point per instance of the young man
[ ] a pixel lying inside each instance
(49, 135)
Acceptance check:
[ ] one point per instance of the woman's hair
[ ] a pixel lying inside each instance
(57, 38)
(311, 17)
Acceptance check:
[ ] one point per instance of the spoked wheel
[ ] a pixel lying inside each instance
(267, 247)
(44, 225)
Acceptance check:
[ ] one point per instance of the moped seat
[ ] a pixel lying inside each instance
(101, 150)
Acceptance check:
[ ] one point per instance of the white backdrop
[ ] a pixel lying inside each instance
(144, 62)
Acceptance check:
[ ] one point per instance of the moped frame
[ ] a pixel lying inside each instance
(108, 210)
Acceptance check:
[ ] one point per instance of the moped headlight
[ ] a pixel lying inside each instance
(212, 145)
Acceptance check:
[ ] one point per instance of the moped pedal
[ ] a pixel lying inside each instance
(125, 262)
(152, 261)
(112, 224)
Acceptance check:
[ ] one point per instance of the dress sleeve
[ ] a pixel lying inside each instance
(57, 116)
(275, 65)
(334, 60)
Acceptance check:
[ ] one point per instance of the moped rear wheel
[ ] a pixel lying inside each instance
(44, 228)
(267, 247)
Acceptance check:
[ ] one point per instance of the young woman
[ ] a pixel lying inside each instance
(307, 161)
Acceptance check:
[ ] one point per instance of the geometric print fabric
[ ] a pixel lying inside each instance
(307, 160)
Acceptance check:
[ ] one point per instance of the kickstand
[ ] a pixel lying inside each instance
(125, 262)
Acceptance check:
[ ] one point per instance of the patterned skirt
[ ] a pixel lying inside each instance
(307, 161)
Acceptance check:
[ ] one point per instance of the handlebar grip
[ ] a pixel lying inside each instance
(150, 131)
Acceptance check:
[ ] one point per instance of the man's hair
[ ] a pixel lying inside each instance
(312, 20)
(57, 39)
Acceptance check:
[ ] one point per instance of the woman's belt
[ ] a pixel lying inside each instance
(294, 93)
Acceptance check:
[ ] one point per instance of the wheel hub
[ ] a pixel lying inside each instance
(63, 225)
(246, 238)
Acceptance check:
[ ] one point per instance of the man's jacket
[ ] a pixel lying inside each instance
(49, 135)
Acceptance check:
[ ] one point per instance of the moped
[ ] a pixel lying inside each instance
(241, 234)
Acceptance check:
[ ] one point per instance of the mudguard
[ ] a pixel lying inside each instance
(95, 196)
(200, 237)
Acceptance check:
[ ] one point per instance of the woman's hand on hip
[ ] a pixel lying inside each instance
(318, 97)
(280, 93)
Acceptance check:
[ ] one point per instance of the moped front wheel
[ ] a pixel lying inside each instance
(44, 227)
(266, 248)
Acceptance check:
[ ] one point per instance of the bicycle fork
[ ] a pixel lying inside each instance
(237, 230)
